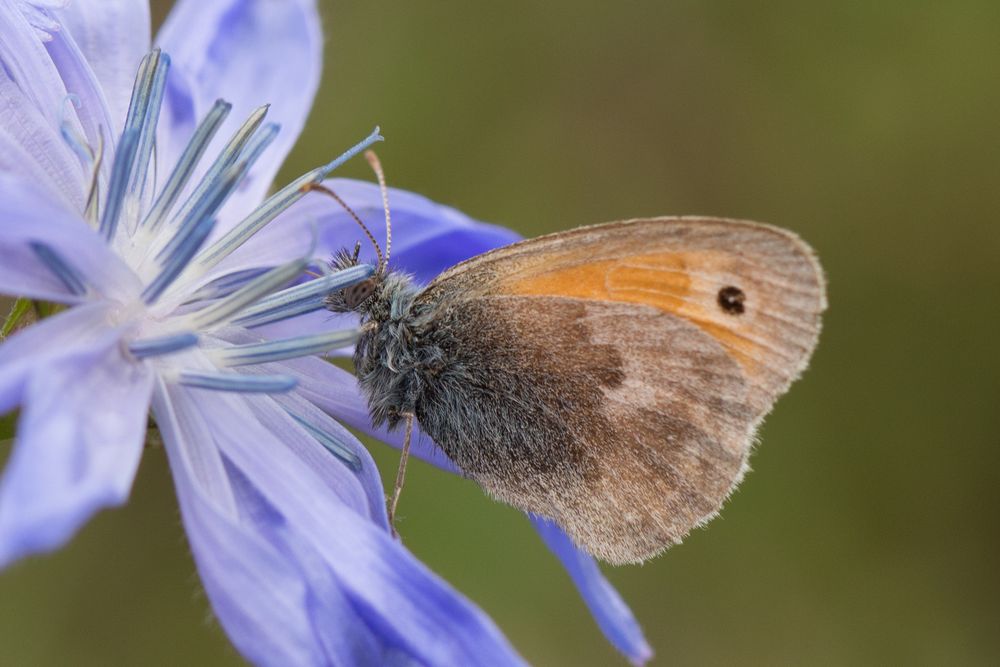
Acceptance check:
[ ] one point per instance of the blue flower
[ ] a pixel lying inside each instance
(140, 201)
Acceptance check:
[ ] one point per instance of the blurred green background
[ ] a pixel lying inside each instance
(867, 532)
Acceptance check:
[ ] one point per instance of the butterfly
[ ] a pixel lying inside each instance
(610, 378)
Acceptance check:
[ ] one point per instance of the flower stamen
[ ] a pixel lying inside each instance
(69, 132)
(149, 113)
(230, 153)
(246, 295)
(128, 174)
(331, 443)
(280, 350)
(237, 382)
(121, 169)
(176, 256)
(274, 205)
(185, 166)
(301, 299)
(62, 269)
(154, 347)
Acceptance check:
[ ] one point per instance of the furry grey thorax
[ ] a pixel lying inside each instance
(397, 352)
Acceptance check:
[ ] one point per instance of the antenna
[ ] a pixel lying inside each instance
(376, 166)
(318, 187)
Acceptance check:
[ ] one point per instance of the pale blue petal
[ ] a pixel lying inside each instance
(609, 610)
(342, 635)
(257, 593)
(19, 155)
(249, 52)
(79, 439)
(404, 603)
(34, 149)
(272, 591)
(70, 332)
(113, 36)
(329, 468)
(100, 125)
(26, 63)
(30, 217)
(32, 103)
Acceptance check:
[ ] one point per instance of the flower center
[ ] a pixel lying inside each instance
(189, 304)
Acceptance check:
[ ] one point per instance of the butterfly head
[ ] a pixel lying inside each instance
(377, 298)
(374, 297)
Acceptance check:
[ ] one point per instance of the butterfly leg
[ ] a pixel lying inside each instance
(401, 472)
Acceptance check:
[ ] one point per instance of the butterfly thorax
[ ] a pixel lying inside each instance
(393, 356)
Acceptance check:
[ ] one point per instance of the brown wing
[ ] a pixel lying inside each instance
(682, 266)
(612, 376)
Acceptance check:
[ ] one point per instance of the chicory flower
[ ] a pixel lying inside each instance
(139, 201)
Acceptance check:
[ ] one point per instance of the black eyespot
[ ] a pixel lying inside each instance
(731, 300)
(358, 293)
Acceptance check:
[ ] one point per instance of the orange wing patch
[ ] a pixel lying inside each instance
(661, 280)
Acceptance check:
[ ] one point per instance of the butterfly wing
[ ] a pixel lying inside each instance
(611, 377)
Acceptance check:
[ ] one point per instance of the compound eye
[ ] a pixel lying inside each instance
(358, 293)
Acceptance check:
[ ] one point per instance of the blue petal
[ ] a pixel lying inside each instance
(31, 96)
(256, 591)
(26, 63)
(610, 611)
(80, 435)
(342, 635)
(250, 52)
(403, 603)
(30, 217)
(112, 37)
(71, 332)
(272, 592)
(88, 107)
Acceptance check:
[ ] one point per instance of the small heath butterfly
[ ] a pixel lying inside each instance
(609, 377)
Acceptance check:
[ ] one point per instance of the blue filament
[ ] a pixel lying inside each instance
(288, 348)
(178, 253)
(238, 382)
(303, 298)
(120, 172)
(229, 155)
(225, 285)
(62, 269)
(332, 444)
(146, 121)
(153, 347)
(277, 203)
(70, 134)
(248, 294)
(185, 166)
